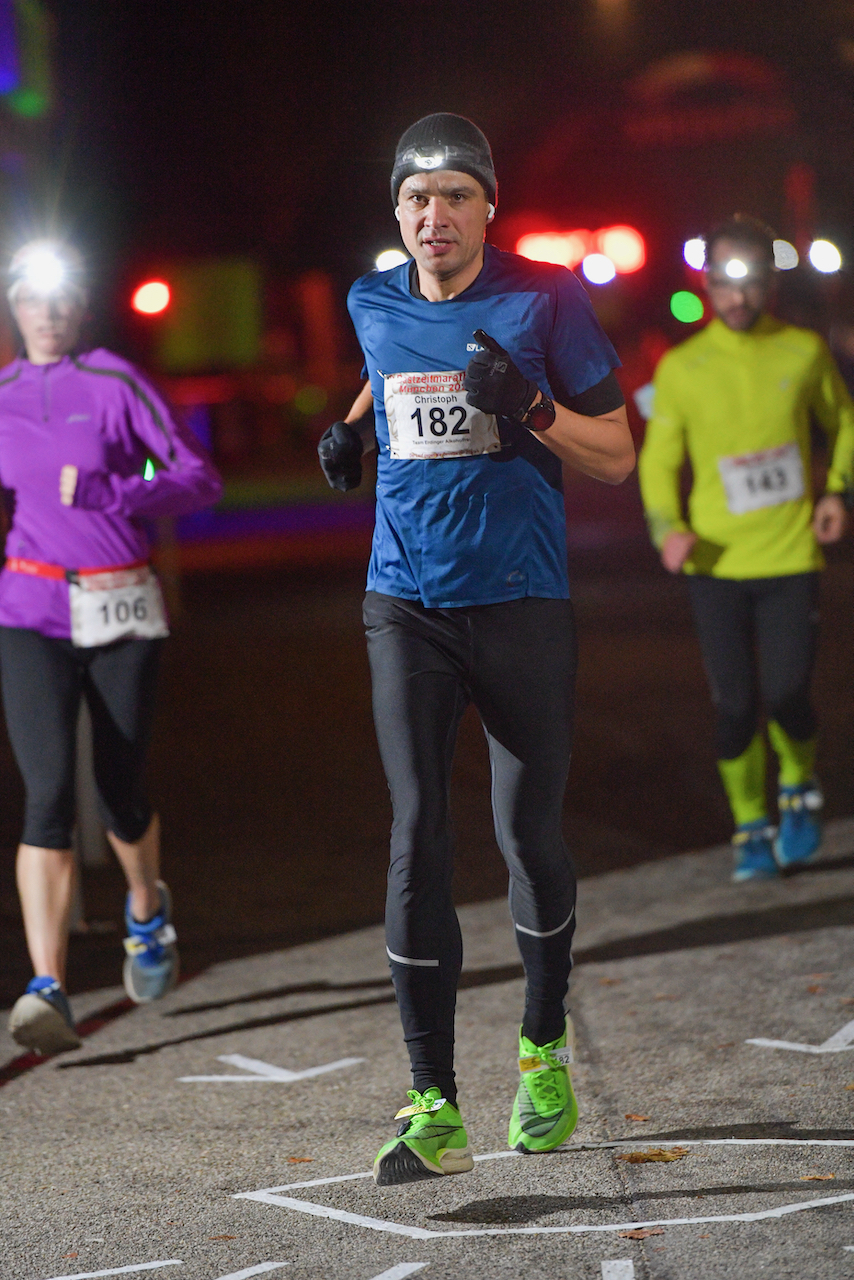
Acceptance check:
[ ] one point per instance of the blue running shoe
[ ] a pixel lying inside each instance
(151, 963)
(754, 852)
(41, 1020)
(799, 837)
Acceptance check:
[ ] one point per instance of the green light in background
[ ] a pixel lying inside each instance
(310, 400)
(686, 306)
(148, 473)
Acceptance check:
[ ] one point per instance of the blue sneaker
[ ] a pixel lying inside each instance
(799, 837)
(41, 1019)
(754, 852)
(151, 964)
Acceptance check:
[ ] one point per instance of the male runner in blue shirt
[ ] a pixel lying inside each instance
(486, 373)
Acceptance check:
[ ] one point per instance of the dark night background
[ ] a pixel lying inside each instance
(186, 131)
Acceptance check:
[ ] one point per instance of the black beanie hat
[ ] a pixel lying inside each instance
(444, 141)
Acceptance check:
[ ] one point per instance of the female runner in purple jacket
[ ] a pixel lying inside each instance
(88, 449)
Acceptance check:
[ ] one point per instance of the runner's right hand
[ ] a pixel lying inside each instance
(340, 452)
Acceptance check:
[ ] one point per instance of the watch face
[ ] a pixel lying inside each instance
(542, 415)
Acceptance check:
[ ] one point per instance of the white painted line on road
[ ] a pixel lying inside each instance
(421, 1233)
(618, 1269)
(570, 1150)
(402, 1270)
(258, 1270)
(265, 1072)
(121, 1271)
(841, 1040)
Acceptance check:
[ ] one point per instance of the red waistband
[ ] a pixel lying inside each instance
(38, 569)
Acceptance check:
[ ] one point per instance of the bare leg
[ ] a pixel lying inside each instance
(141, 865)
(46, 886)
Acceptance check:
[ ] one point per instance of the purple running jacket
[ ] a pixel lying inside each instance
(98, 413)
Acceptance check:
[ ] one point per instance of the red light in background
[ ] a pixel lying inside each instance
(565, 248)
(624, 246)
(151, 298)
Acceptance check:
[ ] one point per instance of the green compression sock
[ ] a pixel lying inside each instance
(797, 759)
(744, 783)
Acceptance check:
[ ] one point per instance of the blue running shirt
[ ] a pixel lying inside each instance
(453, 531)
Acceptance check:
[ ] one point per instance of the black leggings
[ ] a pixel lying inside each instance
(516, 663)
(43, 680)
(774, 620)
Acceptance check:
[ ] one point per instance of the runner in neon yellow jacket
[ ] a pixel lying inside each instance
(737, 400)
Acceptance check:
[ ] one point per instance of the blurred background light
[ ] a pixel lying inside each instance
(390, 258)
(564, 248)
(151, 298)
(598, 268)
(624, 246)
(694, 253)
(825, 256)
(736, 269)
(310, 400)
(686, 306)
(785, 255)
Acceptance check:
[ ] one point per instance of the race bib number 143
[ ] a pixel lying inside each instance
(430, 418)
(766, 479)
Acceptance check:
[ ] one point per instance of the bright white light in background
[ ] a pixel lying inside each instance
(390, 258)
(825, 256)
(624, 246)
(694, 253)
(598, 269)
(736, 269)
(44, 270)
(785, 255)
(151, 298)
(564, 248)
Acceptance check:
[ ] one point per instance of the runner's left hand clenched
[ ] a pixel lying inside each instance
(67, 485)
(494, 384)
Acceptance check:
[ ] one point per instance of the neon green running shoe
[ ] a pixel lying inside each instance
(430, 1142)
(545, 1112)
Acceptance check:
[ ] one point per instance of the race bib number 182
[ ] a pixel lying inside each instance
(429, 417)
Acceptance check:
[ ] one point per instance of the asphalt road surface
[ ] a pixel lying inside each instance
(275, 810)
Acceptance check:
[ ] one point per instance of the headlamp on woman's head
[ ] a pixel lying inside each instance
(49, 269)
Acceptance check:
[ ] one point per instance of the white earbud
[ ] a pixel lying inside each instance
(491, 214)
(397, 213)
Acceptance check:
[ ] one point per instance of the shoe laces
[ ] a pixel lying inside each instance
(543, 1083)
(800, 800)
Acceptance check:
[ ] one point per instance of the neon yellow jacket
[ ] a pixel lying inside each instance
(724, 395)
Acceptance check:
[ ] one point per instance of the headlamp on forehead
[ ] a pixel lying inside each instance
(736, 269)
(428, 159)
(48, 268)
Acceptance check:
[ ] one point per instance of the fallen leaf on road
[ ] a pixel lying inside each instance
(817, 1177)
(630, 1115)
(222, 1237)
(299, 1159)
(641, 1233)
(609, 982)
(727, 1044)
(70, 1255)
(846, 999)
(816, 990)
(848, 1086)
(707, 1237)
(654, 1154)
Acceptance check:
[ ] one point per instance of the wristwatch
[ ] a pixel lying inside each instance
(541, 416)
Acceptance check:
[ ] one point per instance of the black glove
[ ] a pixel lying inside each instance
(494, 384)
(340, 453)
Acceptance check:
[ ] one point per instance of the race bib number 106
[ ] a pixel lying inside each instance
(430, 418)
(116, 605)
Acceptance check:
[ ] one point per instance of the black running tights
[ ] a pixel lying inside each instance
(516, 662)
(43, 681)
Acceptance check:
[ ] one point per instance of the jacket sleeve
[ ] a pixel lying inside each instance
(661, 459)
(833, 407)
(187, 479)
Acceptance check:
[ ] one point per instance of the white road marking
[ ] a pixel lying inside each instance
(841, 1040)
(402, 1270)
(618, 1269)
(121, 1271)
(272, 1196)
(421, 1233)
(265, 1072)
(259, 1270)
